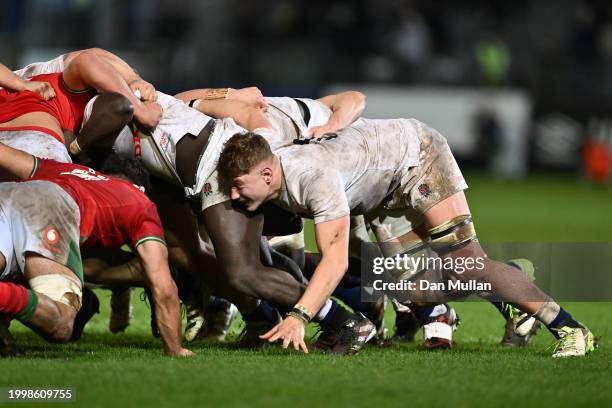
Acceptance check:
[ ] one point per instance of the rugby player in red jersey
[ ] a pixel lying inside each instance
(35, 122)
(111, 212)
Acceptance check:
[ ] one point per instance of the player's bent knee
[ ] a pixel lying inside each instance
(61, 331)
(62, 289)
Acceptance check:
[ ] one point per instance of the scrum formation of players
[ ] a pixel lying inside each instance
(199, 198)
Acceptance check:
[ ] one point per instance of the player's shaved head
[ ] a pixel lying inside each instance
(240, 154)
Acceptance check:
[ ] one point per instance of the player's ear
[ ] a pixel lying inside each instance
(266, 173)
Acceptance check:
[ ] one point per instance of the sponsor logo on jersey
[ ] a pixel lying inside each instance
(88, 175)
(51, 237)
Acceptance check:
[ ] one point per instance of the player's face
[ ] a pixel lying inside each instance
(250, 189)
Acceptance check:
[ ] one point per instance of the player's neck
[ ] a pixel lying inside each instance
(277, 179)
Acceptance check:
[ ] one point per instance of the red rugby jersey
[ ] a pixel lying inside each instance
(113, 212)
(67, 106)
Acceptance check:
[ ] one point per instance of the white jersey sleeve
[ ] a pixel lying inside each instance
(321, 192)
(38, 68)
(319, 112)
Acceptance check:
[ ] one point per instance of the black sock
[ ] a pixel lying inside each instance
(336, 317)
(562, 319)
(503, 309)
(263, 312)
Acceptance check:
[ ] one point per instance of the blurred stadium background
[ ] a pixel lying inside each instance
(514, 86)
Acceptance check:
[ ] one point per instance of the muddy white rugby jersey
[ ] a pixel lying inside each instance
(350, 174)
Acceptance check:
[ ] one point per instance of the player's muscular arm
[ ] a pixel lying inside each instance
(15, 164)
(332, 240)
(235, 235)
(153, 256)
(244, 115)
(346, 108)
(9, 80)
(147, 91)
(89, 70)
(251, 96)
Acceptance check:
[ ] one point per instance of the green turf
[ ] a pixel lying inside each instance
(129, 370)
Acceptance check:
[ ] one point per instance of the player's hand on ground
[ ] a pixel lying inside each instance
(147, 90)
(252, 96)
(148, 114)
(182, 352)
(290, 331)
(43, 88)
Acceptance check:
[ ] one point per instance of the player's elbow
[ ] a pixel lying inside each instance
(342, 265)
(165, 294)
(360, 100)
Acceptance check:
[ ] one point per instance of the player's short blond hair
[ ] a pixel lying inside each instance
(240, 154)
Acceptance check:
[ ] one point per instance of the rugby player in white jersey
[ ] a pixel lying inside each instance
(381, 168)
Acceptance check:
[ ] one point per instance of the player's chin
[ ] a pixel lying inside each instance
(252, 205)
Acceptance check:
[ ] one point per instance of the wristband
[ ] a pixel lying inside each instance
(304, 309)
(299, 315)
(194, 103)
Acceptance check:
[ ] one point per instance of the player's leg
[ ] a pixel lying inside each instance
(235, 236)
(400, 235)
(439, 196)
(58, 293)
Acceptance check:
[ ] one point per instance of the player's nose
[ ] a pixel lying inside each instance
(235, 195)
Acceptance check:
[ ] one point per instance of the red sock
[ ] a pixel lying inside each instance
(13, 298)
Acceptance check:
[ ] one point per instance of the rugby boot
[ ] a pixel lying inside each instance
(573, 342)
(349, 339)
(219, 317)
(376, 314)
(406, 323)
(438, 330)
(196, 322)
(520, 327)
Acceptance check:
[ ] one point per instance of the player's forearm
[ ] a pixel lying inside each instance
(9, 80)
(203, 93)
(15, 163)
(168, 318)
(324, 281)
(244, 115)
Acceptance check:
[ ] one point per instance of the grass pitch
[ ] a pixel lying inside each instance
(129, 369)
